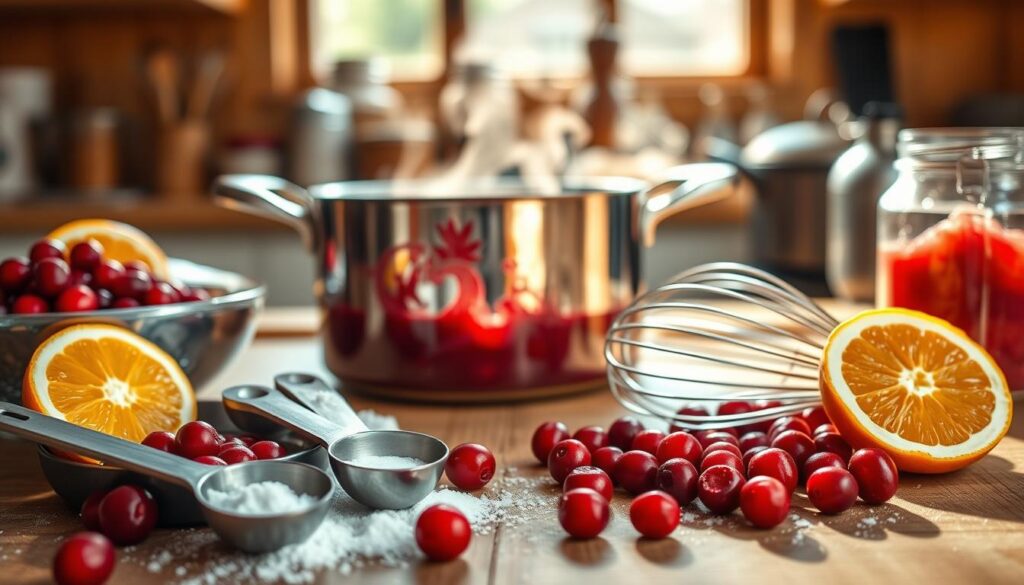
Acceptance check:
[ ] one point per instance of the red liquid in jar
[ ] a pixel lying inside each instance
(970, 272)
(462, 352)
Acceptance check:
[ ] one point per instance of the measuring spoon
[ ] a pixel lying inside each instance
(346, 442)
(248, 532)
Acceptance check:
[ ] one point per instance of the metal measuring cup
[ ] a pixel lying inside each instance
(345, 440)
(250, 533)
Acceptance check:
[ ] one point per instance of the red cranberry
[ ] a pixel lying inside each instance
(605, 459)
(546, 437)
(622, 432)
(647, 441)
(162, 440)
(764, 501)
(833, 443)
(231, 441)
(826, 428)
(764, 425)
(722, 458)
(734, 407)
(210, 460)
(85, 558)
(127, 515)
(138, 265)
(583, 512)
(470, 466)
(267, 450)
(797, 444)
(723, 446)
(876, 475)
(692, 410)
(719, 488)
(637, 472)
(442, 532)
(589, 477)
(753, 439)
(86, 255)
(788, 423)
(749, 454)
(90, 510)
(232, 454)
(678, 477)
(566, 456)
(29, 305)
(680, 444)
(15, 274)
(160, 293)
(819, 461)
(46, 249)
(76, 299)
(50, 276)
(832, 489)
(815, 416)
(124, 303)
(79, 277)
(706, 438)
(593, 438)
(106, 273)
(248, 440)
(775, 463)
(654, 514)
(195, 439)
(132, 284)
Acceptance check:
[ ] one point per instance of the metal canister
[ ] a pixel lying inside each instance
(320, 137)
(857, 179)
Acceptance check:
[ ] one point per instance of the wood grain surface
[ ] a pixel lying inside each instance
(965, 527)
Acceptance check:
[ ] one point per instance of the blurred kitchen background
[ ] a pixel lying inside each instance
(126, 109)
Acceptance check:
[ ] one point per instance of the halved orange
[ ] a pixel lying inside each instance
(915, 386)
(120, 241)
(108, 379)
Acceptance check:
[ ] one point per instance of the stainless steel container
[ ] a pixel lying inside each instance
(493, 291)
(856, 181)
(319, 137)
(789, 165)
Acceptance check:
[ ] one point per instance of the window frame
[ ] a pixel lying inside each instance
(453, 19)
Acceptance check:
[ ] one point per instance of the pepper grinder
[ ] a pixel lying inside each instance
(603, 108)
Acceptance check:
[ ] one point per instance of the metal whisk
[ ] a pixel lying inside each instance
(718, 332)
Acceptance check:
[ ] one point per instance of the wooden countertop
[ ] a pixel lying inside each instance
(965, 527)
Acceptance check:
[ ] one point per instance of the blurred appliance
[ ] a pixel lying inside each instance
(365, 83)
(862, 61)
(857, 180)
(25, 98)
(788, 165)
(319, 137)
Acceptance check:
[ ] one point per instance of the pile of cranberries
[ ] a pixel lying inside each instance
(200, 442)
(55, 279)
(754, 468)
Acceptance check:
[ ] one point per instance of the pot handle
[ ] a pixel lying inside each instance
(271, 197)
(685, 187)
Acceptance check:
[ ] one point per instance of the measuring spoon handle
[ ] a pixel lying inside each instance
(272, 405)
(297, 386)
(62, 435)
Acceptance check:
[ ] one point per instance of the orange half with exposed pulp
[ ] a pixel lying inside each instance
(108, 379)
(915, 386)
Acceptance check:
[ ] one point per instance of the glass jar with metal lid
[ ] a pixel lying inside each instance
(951, 235)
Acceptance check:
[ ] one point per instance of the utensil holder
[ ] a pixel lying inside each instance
(181, 160)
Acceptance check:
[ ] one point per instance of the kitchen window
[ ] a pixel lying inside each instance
(535, 38)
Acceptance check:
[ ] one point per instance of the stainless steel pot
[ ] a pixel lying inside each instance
(492, 292)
